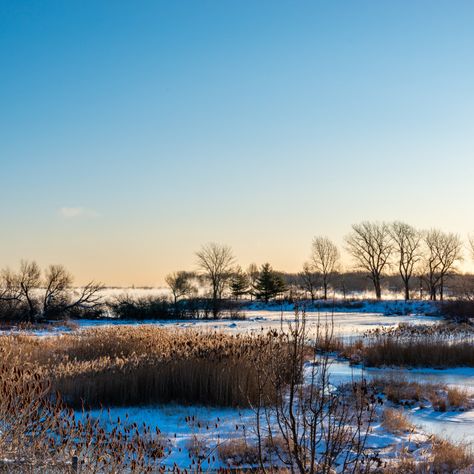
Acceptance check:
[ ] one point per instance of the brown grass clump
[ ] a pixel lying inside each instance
(403, 392)
(459, 398)
(442, 457)
(399, 391)
(125, 366)
(238, 452)
(197, 448)
(441, 397)
(395, 421)
(449, 457)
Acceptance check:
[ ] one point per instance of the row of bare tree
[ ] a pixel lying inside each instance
(432, 255)
(377, 249)
(31, 294)
(382, 248)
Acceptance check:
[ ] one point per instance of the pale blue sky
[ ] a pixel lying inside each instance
(133, 132)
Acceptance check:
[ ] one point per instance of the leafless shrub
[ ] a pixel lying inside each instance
(317, 427)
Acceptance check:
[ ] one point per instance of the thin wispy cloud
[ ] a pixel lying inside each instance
(78, 212)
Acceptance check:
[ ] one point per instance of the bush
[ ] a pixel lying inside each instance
(449, 457)
(458, 310)
(395, 421)
(237, 452)
(459, 398)
(161, 308)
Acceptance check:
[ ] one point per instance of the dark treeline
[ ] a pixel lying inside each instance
(386, 257)
(31, 294)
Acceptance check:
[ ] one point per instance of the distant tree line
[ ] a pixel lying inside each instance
(416, 262)
(392, 257)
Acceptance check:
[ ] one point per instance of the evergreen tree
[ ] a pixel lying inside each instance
(269, 284)
(239, 284)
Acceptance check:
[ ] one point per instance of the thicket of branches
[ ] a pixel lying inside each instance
(31, 294)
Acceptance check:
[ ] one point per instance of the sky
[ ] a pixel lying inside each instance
(133, 132)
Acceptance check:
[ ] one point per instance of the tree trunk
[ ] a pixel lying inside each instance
(215, 304)
(378, 290)
(407, 291)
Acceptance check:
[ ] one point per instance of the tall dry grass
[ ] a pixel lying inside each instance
(38, 433)
(395, 421)
(439, 346)
(442, 457)
(409, 393)
(124, 366)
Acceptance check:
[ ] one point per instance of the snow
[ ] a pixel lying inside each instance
(171, 419)
(231, 424)
(177, 432)
(346, 324)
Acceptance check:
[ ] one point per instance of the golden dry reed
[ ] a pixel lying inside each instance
(130, 366)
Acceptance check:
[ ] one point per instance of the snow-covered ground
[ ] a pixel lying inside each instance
(181, 424)
(457, 426)
(344, 324)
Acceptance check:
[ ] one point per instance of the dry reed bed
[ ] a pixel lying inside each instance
(442, 457)
(409, 393)
(38, 433)
(438, 346)
(124, 366)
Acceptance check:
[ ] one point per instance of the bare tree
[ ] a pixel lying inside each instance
(471, 244)
(309, 280)
(180, 284)
(325, 258)
(444, 250)
(29, 279)
(309, 426)
(407, 241)
(61, 298)
(371, 246)
(216, 262)
(57, 282)
(9, 288)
